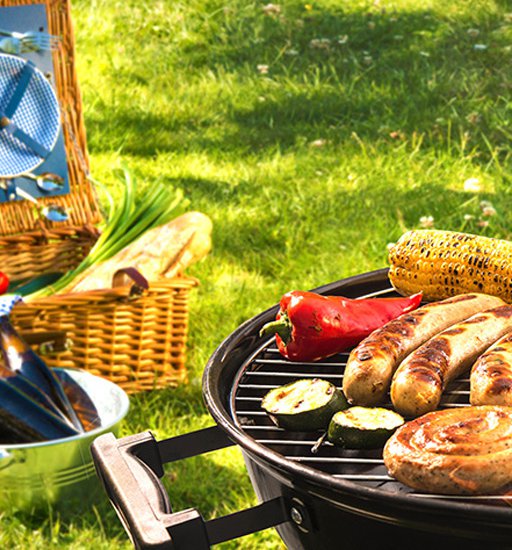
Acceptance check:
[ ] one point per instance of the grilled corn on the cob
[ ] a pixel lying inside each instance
(446, 263)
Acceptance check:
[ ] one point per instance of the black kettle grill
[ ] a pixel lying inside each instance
(331, 499)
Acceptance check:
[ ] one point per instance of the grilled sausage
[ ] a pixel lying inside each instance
(372, 363)
(421, 378)
(491, 376)
(454, 451)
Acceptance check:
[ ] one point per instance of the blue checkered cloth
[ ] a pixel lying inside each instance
(7, 302)
(36, 115)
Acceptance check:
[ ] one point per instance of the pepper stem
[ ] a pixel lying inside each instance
(280, 326)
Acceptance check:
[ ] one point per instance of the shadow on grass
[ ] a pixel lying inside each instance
(397, 72)
(285, 221)
(61, 522)
(285, 234)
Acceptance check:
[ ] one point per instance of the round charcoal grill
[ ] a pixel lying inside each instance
(329, 499)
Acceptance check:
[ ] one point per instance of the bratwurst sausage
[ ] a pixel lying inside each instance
(491, 376)
(372, 363)
(421, 378)
(456, 451)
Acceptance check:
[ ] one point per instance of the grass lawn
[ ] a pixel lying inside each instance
(313, 135)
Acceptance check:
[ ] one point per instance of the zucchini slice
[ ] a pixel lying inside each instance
(304, 405)
(363, 427)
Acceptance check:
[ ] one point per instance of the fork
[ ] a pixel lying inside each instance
(31, 41)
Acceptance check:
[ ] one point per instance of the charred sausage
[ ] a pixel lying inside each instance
(454, 451)
(372, 363)
(491, 376)
(419, 381)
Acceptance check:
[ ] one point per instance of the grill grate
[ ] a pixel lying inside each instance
(267, 369)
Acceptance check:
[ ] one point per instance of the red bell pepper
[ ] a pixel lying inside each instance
(4, 283)
(310, 326)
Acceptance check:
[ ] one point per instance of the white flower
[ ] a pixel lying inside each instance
(262, 69)
(472, 185)
(292, 52)
(480, 47)
(473, 33)
(468, 217)
(318, 143)
(488, 211)
(320, 43)
(367, 59)
(473, 118)
(482, 223)
(426, 221)
(343, 39)
(271, 9)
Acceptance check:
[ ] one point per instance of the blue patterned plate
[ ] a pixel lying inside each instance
(29, 116)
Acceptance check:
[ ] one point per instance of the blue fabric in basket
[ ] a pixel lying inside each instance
(35, 118)
(7, 302)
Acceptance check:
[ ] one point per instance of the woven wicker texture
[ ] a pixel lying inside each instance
(138, 342)
(37, 252)
(81, 202)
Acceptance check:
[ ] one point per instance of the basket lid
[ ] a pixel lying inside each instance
(58, 99)
(29, 116)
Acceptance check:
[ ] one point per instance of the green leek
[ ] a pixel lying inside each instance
(133, 217)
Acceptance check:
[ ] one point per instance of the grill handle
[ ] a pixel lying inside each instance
(130, 469)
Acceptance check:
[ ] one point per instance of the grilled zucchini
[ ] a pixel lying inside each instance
(363, 427)
(304, 405)
(446, 263)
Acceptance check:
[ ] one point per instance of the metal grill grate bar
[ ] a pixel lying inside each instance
(357, 477)
(337, 460)
(281, 363)
(255, 399)
(294, 442)
(292, 374)
(462, 497)
(247, 426)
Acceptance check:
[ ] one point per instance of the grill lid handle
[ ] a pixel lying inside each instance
(130, 469)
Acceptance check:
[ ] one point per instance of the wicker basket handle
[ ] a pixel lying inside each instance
(54, 341)
(125, 275)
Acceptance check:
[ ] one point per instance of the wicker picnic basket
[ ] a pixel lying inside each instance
(136, 339)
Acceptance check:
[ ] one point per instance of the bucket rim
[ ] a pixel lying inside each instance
(123, 411)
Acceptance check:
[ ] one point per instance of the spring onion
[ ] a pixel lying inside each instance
(134, 216)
